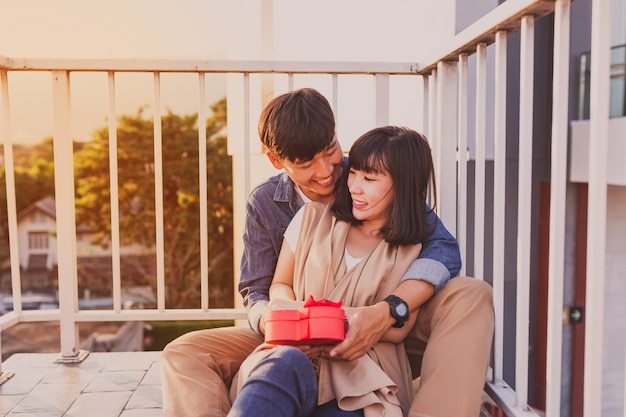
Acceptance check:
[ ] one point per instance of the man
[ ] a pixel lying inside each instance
(449, 346)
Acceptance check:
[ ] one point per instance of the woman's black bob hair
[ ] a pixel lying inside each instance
(405, 155)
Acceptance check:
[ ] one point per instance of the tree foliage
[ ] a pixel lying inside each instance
(181, 200)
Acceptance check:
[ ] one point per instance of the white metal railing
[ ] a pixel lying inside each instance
(443, 114)
(68, 314)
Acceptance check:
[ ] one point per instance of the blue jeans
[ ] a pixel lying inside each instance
(284, 385)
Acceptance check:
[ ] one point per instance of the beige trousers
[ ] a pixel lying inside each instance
(449, 349)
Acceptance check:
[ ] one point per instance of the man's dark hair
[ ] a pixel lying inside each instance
(405, 155)
(297, 125)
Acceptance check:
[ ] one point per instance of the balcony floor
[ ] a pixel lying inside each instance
(116, 384)
(105, 384)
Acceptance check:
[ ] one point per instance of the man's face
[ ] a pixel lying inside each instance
(316, 178)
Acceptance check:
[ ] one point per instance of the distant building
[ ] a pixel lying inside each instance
(38, 256)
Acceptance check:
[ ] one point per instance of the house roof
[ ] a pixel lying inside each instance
(46, 205)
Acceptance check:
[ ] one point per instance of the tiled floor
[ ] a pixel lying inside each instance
(117, 384)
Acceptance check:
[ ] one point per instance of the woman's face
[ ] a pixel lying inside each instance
(372, 195)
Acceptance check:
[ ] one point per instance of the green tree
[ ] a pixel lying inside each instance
(181, 201)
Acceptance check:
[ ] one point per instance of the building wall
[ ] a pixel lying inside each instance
(615, 310)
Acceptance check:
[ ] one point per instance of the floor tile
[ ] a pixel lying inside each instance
(128, 361)
(24, 380)
(115, 381)
(49, 399)
(143, 412)
(8, 402)
(30, 360)
(153, 376)
(146, 396)
(100, 404)
(64, 374)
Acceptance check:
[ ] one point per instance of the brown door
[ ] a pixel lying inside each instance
(578, 329)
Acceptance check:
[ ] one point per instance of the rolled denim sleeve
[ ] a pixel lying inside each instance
(440, 258)
(269, 209)
(257, 266)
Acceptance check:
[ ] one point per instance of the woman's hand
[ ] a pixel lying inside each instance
(278, 304)
(283, 304)
(366, 327)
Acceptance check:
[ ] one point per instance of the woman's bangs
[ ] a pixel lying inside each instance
(368, 161)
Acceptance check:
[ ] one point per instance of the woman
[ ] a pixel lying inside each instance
(354, 250)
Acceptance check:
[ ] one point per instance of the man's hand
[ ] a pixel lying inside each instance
(366, 326)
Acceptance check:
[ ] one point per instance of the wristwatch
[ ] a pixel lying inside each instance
(399, 310)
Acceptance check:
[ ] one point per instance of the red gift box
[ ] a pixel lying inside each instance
(320, 322)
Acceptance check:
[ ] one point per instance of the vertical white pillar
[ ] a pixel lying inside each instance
(596, 219)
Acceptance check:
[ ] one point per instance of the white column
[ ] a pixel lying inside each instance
(596, 223)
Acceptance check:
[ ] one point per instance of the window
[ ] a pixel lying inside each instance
(617, 106)
(38, 240)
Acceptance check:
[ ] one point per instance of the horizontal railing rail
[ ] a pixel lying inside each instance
(212, 66)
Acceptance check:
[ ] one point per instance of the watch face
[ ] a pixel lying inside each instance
(402, 310)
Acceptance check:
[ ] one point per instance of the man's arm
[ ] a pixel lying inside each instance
(257, 266)
(368, 325)
(438, 261)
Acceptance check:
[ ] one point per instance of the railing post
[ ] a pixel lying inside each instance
(203, 187)
(524, 208)
(431, 109)
(9, 172)
(115, 207)
(446, 119)
(479, 161)
(158, 193)
(382, 99)
(499, 197)
(5, 139)
(65, 217)
(558, 188)
(462, 152)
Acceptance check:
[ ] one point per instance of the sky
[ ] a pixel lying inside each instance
(358, 30)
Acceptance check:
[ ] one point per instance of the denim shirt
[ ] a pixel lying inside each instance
(270, 208)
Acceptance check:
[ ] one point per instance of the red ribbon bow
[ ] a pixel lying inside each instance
(311, 302)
